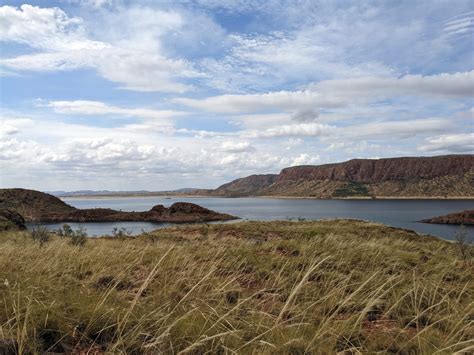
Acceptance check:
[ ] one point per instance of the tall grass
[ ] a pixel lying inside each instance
(276, 287)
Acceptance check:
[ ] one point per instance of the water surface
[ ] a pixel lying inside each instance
(397, 213)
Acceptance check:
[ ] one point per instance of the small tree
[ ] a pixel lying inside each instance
(463, 242)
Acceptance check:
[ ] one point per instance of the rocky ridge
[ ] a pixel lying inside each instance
(39, 207)
(445, 176)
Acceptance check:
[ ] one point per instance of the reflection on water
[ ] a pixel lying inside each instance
(397, 213)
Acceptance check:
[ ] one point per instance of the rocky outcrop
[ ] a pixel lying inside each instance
(409, 177)
(245, 186)
(39, 207)
(180, 212)
(381, 170)
(464, 217)
(11, 220)
(32, 204)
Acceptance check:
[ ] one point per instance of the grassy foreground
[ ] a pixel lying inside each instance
(250, 287)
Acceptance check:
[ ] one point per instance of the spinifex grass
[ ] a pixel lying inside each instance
(276, 287)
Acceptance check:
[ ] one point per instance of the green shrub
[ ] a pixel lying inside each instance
(351, 189)
(65, 231)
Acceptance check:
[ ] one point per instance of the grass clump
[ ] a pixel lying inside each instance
(251, 287)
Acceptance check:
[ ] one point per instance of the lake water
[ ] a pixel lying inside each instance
(397, 213)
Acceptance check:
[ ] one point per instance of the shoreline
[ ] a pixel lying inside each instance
(434, 198)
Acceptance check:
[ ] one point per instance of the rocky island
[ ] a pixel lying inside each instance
(39, 207)
(463, 217)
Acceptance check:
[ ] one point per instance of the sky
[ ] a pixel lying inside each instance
(159, 95)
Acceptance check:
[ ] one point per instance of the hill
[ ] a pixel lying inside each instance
(326, 287)
(40, 207)
(249, 185)
(108, 193)
(33, 205)
(407, 177)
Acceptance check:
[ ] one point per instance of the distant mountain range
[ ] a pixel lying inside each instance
(81, 193)
(447, 176)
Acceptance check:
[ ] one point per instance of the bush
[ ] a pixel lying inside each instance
(65, 232)
(121, 233)
(79, 237)
(40, 234)
(463, 243)
(351, 189)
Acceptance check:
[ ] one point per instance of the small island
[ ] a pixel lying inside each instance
(39, 207)
(463, 217)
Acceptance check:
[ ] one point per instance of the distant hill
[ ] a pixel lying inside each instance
(98, 193)
(249, 185)
(407, 177)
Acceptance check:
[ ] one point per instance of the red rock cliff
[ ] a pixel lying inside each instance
(372, 171)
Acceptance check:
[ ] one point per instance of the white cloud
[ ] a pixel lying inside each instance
(340, 93)
(439, 85)
(459, 143)
(304, 129)
(93, 3)
(284, 100)
(12, 125)
(403, 129)
(237, 147)
(305, 159)
(134, 60)
(374, 130)
(84, 107)
(44, 28)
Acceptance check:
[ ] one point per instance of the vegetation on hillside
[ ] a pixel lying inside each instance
(250, 287)
(351, 189)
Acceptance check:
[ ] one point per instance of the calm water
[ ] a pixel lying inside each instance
(398, 213)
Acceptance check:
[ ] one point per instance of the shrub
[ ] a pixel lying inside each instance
(65, 232)
(121, 233)
(351, 189)
(79, 237)
(40, 234)
(463, 243)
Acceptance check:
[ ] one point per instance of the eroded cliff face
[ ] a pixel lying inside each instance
(436, 177)
(249, 185)
(381, 170)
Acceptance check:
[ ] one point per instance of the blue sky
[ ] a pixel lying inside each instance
(128, 95)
